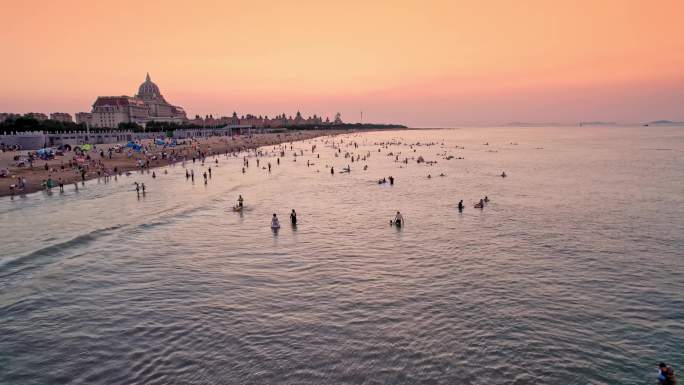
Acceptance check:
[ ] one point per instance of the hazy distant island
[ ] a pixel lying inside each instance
(597, 123)
(593, 123)
(664, 123)
(559, 124)
(533, 124)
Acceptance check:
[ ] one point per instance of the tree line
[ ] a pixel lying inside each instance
(25, 124)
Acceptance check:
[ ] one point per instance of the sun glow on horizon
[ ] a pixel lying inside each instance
(418, 63)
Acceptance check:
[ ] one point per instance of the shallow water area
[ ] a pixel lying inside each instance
(573, 273)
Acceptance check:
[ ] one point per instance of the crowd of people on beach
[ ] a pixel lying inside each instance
(69, 164)
(151, 154)
(84, 165)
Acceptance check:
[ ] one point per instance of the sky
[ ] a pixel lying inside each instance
(420, 63)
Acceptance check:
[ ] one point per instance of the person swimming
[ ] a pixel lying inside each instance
(486, 198)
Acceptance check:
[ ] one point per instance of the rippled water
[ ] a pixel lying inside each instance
(573, 274)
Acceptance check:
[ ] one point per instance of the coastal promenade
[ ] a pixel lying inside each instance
(33, 140)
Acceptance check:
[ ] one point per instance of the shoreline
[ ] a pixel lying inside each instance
(67, 170)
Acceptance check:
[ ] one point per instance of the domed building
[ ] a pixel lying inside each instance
(160, 109)
(148, 105)
(149, 90)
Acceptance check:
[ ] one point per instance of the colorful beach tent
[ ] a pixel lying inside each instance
(135, 146)
(45, 153)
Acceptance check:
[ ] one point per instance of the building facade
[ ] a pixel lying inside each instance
(84, 118)
(250, 120)
(36, 115)
(110, 111)
(8, 116)
(146, 106)
(61, 117)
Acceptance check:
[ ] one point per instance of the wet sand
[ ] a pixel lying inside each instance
(98, 166)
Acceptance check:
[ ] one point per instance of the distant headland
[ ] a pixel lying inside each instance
(664, 123)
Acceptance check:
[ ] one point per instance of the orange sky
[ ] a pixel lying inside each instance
(421, 63)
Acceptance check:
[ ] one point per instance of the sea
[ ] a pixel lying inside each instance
(572, 273)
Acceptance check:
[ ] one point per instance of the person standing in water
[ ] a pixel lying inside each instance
(293, 217)
(460, 205)
(398, 219)
(666, 375)
(240, 201)
(274, 222)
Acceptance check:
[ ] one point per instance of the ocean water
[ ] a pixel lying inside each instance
(572, 274)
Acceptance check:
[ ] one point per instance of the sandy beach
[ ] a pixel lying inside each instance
(66, 170)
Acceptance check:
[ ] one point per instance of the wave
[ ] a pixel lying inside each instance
(53, 250)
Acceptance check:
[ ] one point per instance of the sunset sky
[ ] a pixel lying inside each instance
(421, 63)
